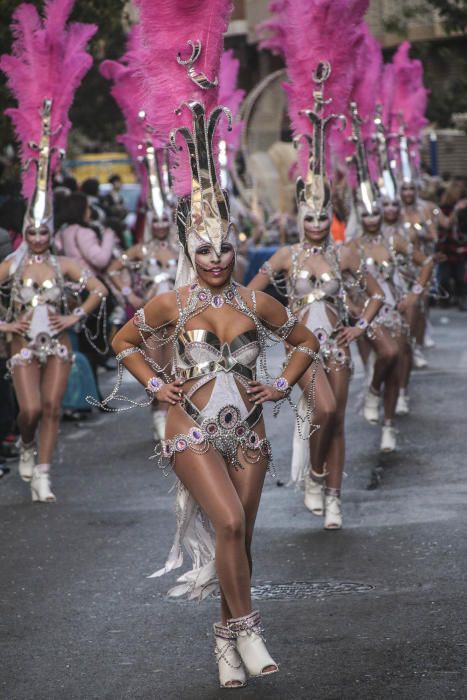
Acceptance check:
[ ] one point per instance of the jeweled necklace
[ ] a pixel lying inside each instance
(216, 300)
(38, 258)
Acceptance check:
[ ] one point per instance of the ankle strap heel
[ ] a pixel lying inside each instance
(251, 645)
(231, 671)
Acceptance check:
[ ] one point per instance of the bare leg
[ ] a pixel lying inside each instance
(324, 416)
(54, 380)
(386, 357)
(339, 380)
(208, 480)
(26, 382)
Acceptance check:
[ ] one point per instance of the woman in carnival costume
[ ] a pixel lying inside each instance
(379, 255)
(317, 273)
(147, 268)
(42, 290)
(218, 332)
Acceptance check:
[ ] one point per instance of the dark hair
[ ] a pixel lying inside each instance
(90, 187)
(70, 183)
(114, 178)
(12, 213)
(75, 206)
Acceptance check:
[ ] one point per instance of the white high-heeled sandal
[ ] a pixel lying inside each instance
(333, 512)
(231, 671)
(314, 493)
(251, 645)
(27, 461)
(40, 487)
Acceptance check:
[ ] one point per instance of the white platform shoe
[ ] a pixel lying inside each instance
(371, 407)
(40, 487)
(159, 419)
(251, 645)
(27, 461)
(332, 513)
(388, 439)
(231, 671)
(314, 494)
(402, 406)
(419, 360)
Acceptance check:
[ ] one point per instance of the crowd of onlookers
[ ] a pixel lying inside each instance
(93, 225)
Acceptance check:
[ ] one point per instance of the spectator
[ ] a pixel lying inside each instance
(452, 241)
(90, 187)
(113, 201)
(78, 240)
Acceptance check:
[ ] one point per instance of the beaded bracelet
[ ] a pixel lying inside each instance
(282, 385)
(362, 323)
(154, 385)
(79, 312)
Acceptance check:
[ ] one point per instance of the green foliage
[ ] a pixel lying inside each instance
(95, 116)
(453, 15)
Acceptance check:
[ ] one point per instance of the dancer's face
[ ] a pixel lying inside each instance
(391, 211)
(214, 270)
(38, 239)
(316, 231)
(408, 194)
(160, 230)
(371, 222)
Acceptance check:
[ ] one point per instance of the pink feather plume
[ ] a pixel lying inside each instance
(410, 95)
(308, 32)
(368, 70)
(166, 28)
(49, 60)
(230, 96)
(127, 91)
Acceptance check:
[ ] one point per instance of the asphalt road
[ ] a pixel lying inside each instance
(376, 611)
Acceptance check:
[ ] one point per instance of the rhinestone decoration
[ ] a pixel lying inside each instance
(196, 435)
(229, 417)
(217, 301)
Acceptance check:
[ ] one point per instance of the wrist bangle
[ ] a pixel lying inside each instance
(417, 289)
(362, 323)
(79, 312)
(126, 291)
(281, 384)
(154, 385)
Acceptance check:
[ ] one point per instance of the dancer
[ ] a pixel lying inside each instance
(43, 291)
(317, 276)
(215, 439)
(149, 267)
(378, 256)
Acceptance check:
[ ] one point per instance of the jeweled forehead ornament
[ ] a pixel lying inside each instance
(366, 190)
(40, 211)
(205, 213)
(314, 191)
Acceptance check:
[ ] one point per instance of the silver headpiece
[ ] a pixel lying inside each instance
(387, 183)
(366, 191)
(40, 210)
(314, 192)
(407, 168)
(205, 213)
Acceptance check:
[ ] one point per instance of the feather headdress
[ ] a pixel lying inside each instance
(48, 62)
(181, 47)
(368, 66)
(231, 97)
(127, 92)
(410, 95)
(312, 32)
